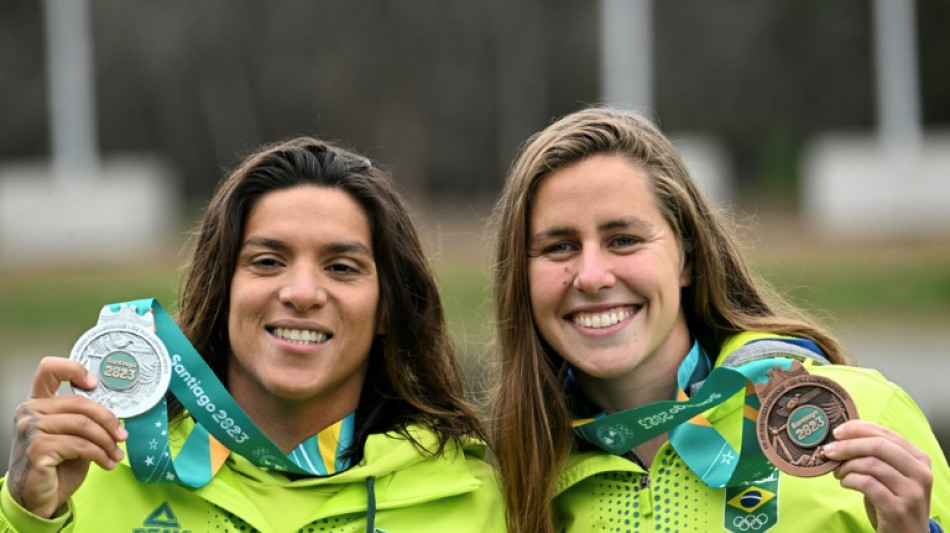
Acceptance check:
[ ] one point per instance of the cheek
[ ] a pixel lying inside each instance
(245, 302)
(367, 310)
(234, 318)
(546, 283)
(236, 300)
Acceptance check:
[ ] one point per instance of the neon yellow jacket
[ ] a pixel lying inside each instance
(409, 493)
(602, 492)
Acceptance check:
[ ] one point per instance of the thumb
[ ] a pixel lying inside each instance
(53, 371)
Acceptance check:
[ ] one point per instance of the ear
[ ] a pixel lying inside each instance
(686, 275)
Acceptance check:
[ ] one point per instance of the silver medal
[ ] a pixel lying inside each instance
(129, 361)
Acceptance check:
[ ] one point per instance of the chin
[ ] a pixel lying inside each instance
(607, 374)
(294, 391)
(606, 371)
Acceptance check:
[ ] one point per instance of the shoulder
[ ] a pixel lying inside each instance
(421, 442)
(883, 402)
(876, 398)
(582, 465)
(461, 463)
(456, 489)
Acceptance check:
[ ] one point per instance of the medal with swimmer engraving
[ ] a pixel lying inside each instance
(129, 361)
(799, 411)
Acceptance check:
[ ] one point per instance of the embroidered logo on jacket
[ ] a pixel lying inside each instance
(752, 507)
(161, 520)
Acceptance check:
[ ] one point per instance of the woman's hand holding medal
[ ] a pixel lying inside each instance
(893, 474)
(57, 437)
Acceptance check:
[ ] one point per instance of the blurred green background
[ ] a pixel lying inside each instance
(849, 285)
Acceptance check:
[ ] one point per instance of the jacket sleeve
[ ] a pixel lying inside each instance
(16, 519)
(904, 416)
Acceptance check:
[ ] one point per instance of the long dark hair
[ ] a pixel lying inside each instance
(413, 376)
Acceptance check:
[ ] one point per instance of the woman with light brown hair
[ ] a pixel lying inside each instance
(613, 280)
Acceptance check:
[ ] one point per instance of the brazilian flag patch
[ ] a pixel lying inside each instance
(752, 507)
(751, 499)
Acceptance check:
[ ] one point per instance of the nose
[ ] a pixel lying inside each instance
(594, 272)
(303, 288)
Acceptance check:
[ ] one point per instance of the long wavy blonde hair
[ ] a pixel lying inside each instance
(530, 423)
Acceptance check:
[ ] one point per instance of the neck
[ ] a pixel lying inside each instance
(288, 423)
(288, 432)
(633, 390)
(647, 450)
(652, 381)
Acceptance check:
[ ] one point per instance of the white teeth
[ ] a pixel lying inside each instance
(300, 336)
(601, 320)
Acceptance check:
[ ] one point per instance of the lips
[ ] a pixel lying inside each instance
(300, 336)
(601, 319)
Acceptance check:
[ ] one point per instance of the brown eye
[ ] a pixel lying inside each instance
(343, 268)
(264, 262)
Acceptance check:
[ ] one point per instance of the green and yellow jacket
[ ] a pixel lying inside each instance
(394, 489)
(599, 492)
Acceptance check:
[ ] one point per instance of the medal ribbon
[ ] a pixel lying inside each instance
(221, 425)
(718, 459)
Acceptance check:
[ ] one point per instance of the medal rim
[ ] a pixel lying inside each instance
(781, 388)
(164, 364)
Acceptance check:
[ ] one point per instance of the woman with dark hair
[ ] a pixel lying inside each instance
(625, 314)
(309, 298)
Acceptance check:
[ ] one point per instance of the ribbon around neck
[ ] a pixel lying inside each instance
(723, 452)
(221, 425)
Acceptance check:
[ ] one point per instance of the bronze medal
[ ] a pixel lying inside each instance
(799, 411)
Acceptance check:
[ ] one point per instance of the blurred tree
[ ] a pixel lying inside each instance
(23, 95)
(764, 76)
(443, 92)
(933, 18)
(440, 91)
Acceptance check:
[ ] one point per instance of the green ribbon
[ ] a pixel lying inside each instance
(217, 415)
(720, 457)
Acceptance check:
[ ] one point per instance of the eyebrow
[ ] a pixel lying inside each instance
(265, 242)
(613, 224)
(333, 248)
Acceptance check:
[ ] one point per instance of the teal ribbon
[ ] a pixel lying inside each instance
(217, 414)
(704, 449)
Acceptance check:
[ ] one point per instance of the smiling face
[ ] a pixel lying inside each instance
(304, 301)
(605, 272)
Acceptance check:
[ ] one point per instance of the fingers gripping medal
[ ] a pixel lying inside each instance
(799, 411)
(129, 361)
